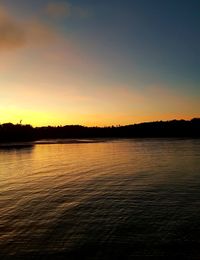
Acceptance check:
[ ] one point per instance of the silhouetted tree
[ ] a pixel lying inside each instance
(175, 128)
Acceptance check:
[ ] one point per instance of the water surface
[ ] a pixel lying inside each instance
(119, 199)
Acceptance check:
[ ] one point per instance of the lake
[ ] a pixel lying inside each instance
(110, 199)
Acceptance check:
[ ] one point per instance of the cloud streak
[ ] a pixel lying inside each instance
(12, 35)
(65, 9)
(15, 33)
(61, 9)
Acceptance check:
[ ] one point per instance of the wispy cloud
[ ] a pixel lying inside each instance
(12, 34)
(56, 10)
(16, 33)
(65, 9)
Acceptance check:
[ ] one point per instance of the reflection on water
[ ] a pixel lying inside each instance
(16, 146)
(119, 199)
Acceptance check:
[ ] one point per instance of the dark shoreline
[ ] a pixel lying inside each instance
(10, 133)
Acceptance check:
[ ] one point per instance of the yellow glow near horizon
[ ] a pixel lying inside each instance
(36, 118)
(48, 105)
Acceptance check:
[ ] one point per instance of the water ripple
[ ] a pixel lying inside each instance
(119, 199)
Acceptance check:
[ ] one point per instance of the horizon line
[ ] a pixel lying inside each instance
(96, 126)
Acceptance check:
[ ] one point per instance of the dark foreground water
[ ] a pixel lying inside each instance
(124, 199)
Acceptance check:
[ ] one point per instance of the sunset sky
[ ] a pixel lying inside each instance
(93, 62)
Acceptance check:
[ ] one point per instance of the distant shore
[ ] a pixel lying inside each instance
(26, 133)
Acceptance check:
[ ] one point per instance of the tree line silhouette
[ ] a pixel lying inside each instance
(175, 128)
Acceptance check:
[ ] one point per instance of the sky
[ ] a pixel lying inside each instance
(99, 63)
